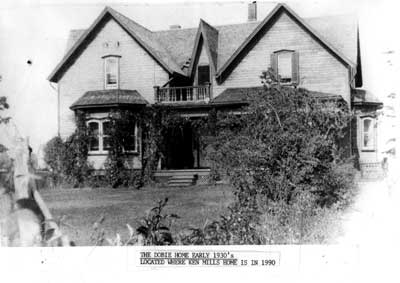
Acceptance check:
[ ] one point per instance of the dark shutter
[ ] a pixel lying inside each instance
(203, 75)
(295, 68)
(274, 64)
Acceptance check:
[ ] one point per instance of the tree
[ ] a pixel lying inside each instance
(286, 142)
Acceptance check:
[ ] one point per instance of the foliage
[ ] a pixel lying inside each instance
(53, 156)
(155, 227)
(282, 157)
(285, 142)
(67, 160)
(154, 230)
(3, 106)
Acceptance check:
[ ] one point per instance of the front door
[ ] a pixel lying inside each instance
(179, 148)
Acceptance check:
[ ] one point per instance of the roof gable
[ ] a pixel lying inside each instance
(254, 36)
(141, 35)
(207, 36)
(176, 48)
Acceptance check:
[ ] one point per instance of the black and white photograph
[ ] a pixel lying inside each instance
(200, 136)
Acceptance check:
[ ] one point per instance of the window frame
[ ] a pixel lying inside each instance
(136, 150)
(371, 133)
(101, 136)
(198, 74)
(106, 59)
(281, 53)
(294, 66)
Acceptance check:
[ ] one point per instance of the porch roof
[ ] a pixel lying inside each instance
(362, 97)
(109, 98)
(242, 95)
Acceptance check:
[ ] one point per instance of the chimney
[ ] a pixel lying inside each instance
(252, 12)
(174, 27)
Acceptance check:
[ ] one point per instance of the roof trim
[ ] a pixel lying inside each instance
(202, 34)
(91, 106)
(55, 74)
(284, 8)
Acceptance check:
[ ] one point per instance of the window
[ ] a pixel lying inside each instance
(285, 65)
(368, 134)
(203, 75)
(94, 136)
(131, 139)
(111, 72)
(100, 137)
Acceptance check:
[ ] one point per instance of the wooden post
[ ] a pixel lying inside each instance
(156, 89)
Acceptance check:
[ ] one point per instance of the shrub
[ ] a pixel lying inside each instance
(283, 161)
(155, 227)
(67, 160)
(54, 151)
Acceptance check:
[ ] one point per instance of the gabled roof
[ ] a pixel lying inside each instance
(225, 43)
(109, 98)
(280, 8)
(206, 36)
(141, 35)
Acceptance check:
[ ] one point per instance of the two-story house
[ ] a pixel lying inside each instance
(117, 63)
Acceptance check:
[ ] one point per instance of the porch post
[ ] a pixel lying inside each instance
(209, 89)
(156, 89)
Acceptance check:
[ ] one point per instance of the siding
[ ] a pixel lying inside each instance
(138, 71)
(319, 70)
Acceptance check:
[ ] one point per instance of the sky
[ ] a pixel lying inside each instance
(37, 31)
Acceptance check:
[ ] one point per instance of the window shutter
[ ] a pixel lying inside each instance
(295, 68)
(274, 64)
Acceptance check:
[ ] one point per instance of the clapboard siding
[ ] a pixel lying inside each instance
(319, 70)
(138, 70)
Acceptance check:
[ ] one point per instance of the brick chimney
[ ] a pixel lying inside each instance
(252, 12)
(174, 27)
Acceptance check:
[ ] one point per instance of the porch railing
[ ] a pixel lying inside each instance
(182, 94)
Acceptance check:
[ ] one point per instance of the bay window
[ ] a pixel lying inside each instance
(99, 132)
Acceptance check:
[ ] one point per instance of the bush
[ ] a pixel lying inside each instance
(283, 161)
(67, 160)
(54, 151)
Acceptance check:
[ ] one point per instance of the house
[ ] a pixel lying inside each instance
(117, 63)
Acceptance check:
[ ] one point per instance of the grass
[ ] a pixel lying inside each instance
(82, 207)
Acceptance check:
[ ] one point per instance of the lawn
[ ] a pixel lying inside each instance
(81, 208)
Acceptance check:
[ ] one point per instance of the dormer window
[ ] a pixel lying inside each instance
(203, 73)
(111, 72)
(285, 64)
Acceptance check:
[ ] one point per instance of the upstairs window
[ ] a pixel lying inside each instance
(285, 64)
(368, 134)
(111, 72)
(203, 75)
